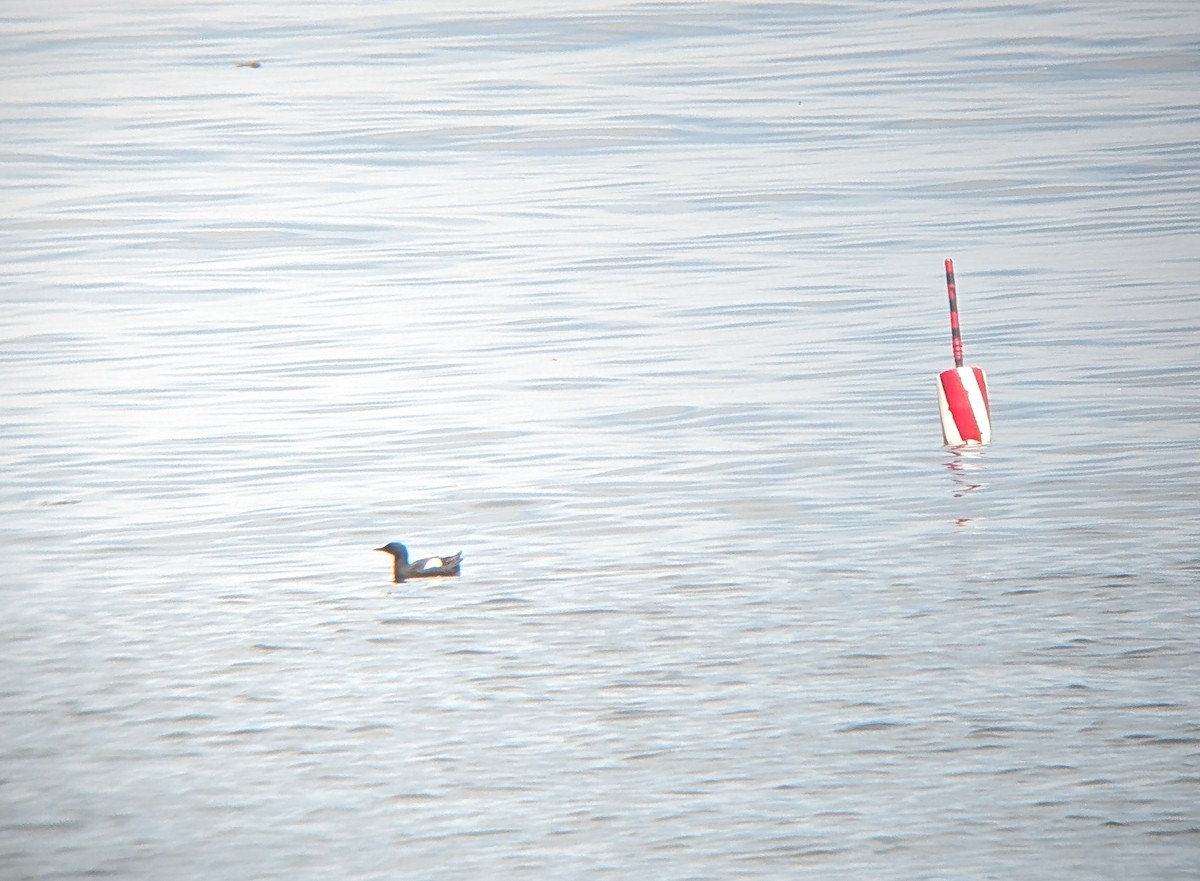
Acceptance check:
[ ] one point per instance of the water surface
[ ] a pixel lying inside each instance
(641, 308)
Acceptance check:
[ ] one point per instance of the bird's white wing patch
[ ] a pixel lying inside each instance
(433, 563)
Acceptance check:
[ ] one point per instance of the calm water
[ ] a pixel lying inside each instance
(642, 309)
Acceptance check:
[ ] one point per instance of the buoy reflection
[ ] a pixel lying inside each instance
(966, 466)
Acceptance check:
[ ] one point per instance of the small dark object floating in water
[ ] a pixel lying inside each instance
(254, 64)
(429, 567)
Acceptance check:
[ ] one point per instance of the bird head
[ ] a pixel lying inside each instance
(396, 549)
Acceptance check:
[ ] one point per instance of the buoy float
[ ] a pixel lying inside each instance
(962, 391)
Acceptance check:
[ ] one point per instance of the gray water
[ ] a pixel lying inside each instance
(641, 308)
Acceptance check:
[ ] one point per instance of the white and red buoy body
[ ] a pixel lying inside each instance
(963, 403)
(962, 392)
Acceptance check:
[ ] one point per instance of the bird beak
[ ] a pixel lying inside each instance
(381, 549)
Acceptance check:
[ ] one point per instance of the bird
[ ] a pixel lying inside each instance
(429, 567)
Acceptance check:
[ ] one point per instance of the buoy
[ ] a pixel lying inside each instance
(962, 391)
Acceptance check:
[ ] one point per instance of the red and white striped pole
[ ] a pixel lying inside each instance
(962, 392)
